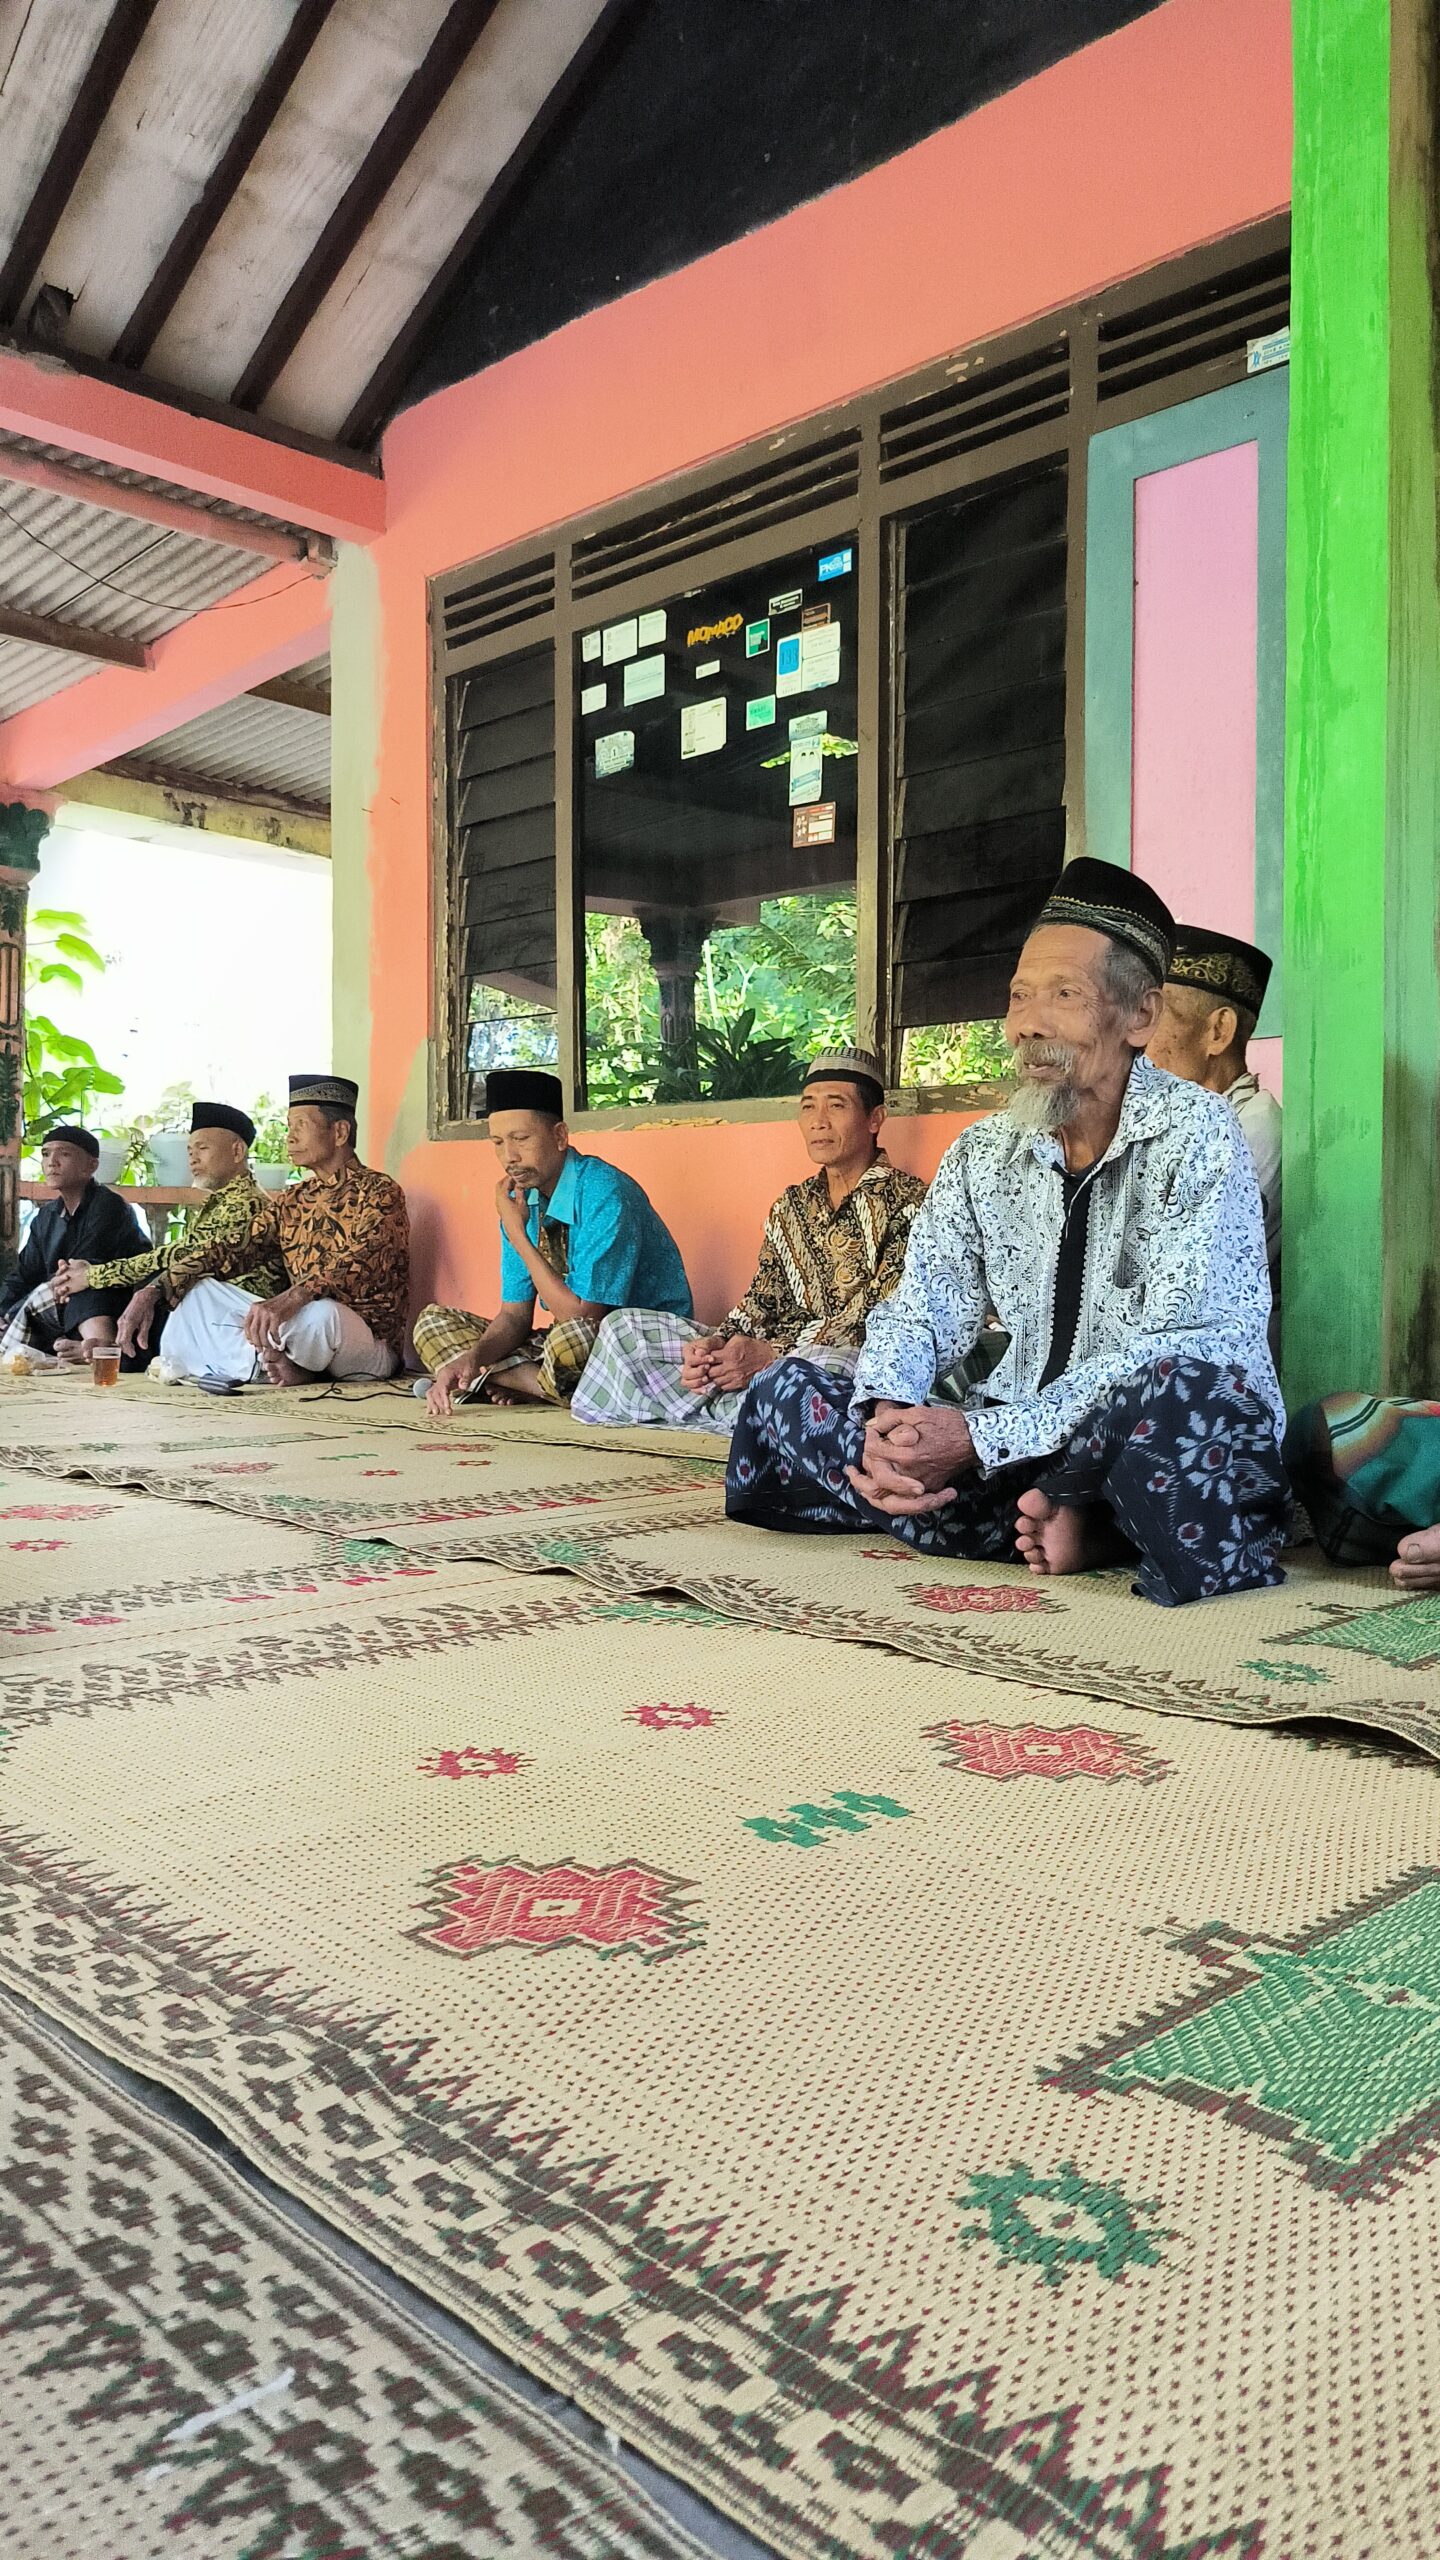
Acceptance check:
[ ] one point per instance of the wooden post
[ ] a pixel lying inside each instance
(22, 831)
(1362, 847)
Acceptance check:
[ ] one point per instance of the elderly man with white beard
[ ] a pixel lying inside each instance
(1112, 1219)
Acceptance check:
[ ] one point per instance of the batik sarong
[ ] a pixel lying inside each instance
(1183, 1456)
(560, 1355)
(1367, 1469)
(633, 1375)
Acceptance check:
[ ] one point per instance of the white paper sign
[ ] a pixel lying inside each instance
(651, 628)
(590, 646)
(644, 679)
(702, 727)
(592, 698)
(619, 640)
(820, 656)
(807, 757)
(614, 753)
(807, 724)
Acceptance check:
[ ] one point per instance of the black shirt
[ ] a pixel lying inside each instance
(1069, 1272)
(103, 1228)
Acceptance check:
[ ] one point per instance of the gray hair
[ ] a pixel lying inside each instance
(1126, 978)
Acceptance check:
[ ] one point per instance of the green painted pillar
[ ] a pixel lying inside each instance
(1362, 841)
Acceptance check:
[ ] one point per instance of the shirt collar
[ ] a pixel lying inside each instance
(561, 1204)
(1243, 1087)
(818, 1183)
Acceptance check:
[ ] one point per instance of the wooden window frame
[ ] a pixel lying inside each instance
(1100, 349)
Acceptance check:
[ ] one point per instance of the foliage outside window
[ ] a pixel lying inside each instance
(716, 748)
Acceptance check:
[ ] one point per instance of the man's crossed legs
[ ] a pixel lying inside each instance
(1181, 1461)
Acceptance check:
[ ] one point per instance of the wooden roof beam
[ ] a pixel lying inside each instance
(119, 38)
(460, 31)
(295, 697)
(180, 260)
(372, 408)
(72, 640)
(50, 402)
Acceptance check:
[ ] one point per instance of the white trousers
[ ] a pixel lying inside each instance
(205, 1337)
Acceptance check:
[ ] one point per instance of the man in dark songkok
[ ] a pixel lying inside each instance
(1111, 1217)
(342, 1241)
(234, 1211)
(833, 1248)
(86, 1221)
(575, 1232)
(1209, 1006)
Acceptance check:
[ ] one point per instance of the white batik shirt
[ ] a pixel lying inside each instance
(1174, 1266)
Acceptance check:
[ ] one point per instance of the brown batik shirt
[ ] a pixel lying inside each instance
(823, 1269)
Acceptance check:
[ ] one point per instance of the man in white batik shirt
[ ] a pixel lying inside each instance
(1112, 1219)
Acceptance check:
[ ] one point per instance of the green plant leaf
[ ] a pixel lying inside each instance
(67, 976)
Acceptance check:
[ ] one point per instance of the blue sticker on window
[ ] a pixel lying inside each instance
(836, 564)
(787, 656)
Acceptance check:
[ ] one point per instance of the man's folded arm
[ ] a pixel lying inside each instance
(935, 1314)
(1206, 1297)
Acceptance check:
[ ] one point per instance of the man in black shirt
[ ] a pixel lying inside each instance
(85, 1222)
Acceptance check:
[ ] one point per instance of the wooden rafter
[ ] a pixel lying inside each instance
(182, 257)
(123, 29)
(105, 647)
(460, 32)
(373, 406)
(295, 697)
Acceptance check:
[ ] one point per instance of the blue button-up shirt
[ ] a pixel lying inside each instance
(619, 1254)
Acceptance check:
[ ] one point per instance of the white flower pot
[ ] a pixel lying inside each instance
(111, 1160)
(271, 1177)
(170, 1154)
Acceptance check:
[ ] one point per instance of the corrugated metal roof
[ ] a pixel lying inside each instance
(79, 564)
(253, 749)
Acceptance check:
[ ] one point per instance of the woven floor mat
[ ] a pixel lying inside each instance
(184, 2378)
(1325, 1643)
(923, 2115)
(355, 1465)
(99, 1565)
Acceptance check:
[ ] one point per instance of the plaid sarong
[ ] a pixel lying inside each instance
(442, 1333)
(633, 1375)
(35, 1325)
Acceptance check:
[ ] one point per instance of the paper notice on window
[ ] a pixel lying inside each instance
(702, 726)
(614, 753)
(820, 656)
(788, 678)
(760, 714)
(592, 698)
(590, 646)
(644, 679)
(807, 724)
(813, 826)
(650, 629)
(807, 759)
(619, 640)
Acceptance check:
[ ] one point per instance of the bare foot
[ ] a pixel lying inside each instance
(1417, 1566)
(70, 1353)
(520, 1385)
(282, 1372)
(1055, 1537)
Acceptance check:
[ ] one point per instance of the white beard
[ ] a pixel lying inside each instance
(1046, 1107)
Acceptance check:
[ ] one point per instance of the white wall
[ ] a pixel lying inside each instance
(218, 959)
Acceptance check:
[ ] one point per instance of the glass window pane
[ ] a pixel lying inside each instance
(716, 834)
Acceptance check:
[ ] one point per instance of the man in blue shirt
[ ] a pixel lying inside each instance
(576, 1233)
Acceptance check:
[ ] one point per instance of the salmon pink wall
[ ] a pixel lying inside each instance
(1170, 133)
